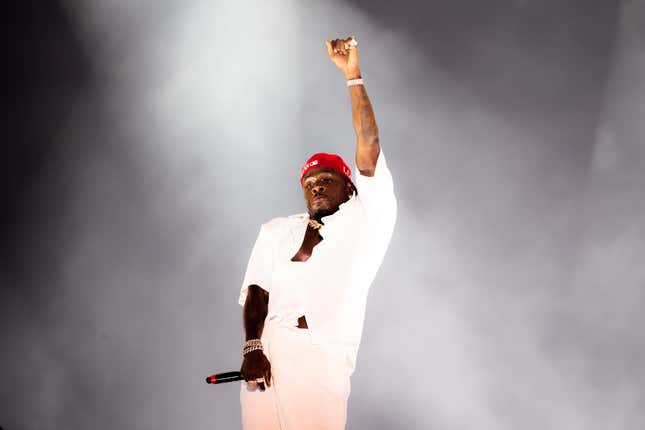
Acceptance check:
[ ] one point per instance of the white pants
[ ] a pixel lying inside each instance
(310, 385)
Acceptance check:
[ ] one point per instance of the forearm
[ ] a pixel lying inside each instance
(364, 121)
(255, 312)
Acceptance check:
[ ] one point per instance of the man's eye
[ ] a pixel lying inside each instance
(327, 180)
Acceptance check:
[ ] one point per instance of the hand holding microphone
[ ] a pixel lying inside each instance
(221, 378)
(256, 369)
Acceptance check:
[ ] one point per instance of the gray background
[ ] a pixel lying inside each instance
(154, 137)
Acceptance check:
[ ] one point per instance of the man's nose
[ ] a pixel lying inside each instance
(318, 188)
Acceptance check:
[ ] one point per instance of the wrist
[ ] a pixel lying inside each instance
(253, 354)
(352, 74)
(251, 345)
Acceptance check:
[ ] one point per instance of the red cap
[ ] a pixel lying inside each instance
(328, 161)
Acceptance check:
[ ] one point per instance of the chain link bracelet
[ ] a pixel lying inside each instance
(251, 345)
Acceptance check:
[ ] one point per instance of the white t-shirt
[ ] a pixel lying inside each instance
(330, 288)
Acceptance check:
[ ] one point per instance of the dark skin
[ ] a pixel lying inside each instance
(324, 191)
(255, 364)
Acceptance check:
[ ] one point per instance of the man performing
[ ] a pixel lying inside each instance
(306, 284)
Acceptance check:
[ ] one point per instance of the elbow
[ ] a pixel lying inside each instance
(367, 156)
(369, 134)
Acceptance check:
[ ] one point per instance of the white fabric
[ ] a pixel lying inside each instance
(311, 368)
(310, 385)
(331, 287)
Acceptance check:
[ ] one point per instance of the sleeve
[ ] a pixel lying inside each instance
(260, 266)
(376, 193)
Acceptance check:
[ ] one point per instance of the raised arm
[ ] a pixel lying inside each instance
(344, 54)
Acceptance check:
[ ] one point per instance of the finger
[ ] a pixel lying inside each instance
(352, 53)
(330, 50)
(267, 377)
(260, 382)
(342, 46)
(336, 45)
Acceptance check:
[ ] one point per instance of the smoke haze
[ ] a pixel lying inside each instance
(511, 295)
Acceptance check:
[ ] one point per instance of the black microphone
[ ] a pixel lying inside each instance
(220, 378)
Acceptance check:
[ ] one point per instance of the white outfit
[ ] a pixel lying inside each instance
(311, 367)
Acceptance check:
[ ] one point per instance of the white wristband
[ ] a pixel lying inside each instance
(358, 81)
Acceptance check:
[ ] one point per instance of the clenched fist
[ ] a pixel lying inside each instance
(255, 367)
(344, 54)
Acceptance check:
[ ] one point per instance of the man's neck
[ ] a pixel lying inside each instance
(318, 216)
